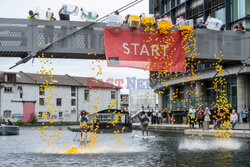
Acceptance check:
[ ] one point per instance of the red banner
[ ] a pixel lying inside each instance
(144, 50)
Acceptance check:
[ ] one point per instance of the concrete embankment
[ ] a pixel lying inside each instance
(218, 133)
(163, 128)
(243, 133)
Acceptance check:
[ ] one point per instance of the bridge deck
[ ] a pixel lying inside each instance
(18, 37)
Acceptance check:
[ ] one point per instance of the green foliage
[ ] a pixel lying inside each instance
(19, 123)
(34, 119)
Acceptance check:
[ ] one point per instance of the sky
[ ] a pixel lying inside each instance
(20, 8)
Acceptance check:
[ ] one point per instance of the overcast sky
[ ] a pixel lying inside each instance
(20, 8)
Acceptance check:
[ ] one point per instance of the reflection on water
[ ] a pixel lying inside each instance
(165, 150)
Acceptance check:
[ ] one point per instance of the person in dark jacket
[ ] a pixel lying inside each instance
(200, 117)
(9, 122)
(244, 113)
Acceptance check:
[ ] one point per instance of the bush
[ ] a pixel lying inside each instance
(19, 123)
(34, 119)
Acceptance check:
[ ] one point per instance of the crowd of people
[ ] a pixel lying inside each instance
(64, 14)
(202, 117)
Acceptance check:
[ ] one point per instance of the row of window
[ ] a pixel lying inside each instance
(216, 9)
(48, 115)
(73, 101)
(8, 113)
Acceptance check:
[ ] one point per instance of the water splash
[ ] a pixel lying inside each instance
(198, 144)
(99, 148)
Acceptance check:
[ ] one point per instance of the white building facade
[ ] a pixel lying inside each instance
(22, 95)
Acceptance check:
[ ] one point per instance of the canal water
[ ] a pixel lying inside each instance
(166, 149)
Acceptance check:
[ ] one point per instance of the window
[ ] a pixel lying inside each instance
(10, 77)
(86, 94)
(59, 102)
(7, 114)
(73, 91)
(112, 94)
(41, 91)
(48, 115)
(241, 8)
(73, 111)
(41, 101)
(221, 14)
(104, 118)
(60, 114)
(40, 114)
(73, 102)
(8, 89)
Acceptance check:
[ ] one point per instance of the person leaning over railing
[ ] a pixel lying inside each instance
(240, 27)
(201, 24)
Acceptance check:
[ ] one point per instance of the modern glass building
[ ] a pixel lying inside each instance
(229, 11)
(176, 95)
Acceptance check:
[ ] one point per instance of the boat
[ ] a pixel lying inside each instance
(104, 121)
(106, 117)
(6, 130)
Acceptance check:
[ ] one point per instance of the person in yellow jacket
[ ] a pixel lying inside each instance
(31, 15)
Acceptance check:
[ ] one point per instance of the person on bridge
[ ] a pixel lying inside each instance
(64, 13)
(201, 24)
(49, 29)
(240, 27)
(157, 16)
(31, 15)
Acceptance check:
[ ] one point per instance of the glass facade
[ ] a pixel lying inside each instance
(219, 13)
(185, 95)
(240, 9)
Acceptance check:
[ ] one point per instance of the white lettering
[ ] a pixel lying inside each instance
(154, 49)
(144, 50)
(164, 48)
(135, 44)
(124, 46)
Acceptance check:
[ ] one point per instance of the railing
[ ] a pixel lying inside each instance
(21, 36)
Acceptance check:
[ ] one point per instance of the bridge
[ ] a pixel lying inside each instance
(20, 37)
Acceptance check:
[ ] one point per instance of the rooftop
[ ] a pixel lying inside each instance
(62, 80)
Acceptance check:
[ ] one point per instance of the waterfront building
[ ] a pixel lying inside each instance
(173, 92)
(142, 98)
(229, 11)
(21, 94)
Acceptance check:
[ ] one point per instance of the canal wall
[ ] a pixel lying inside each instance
(181, 128)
